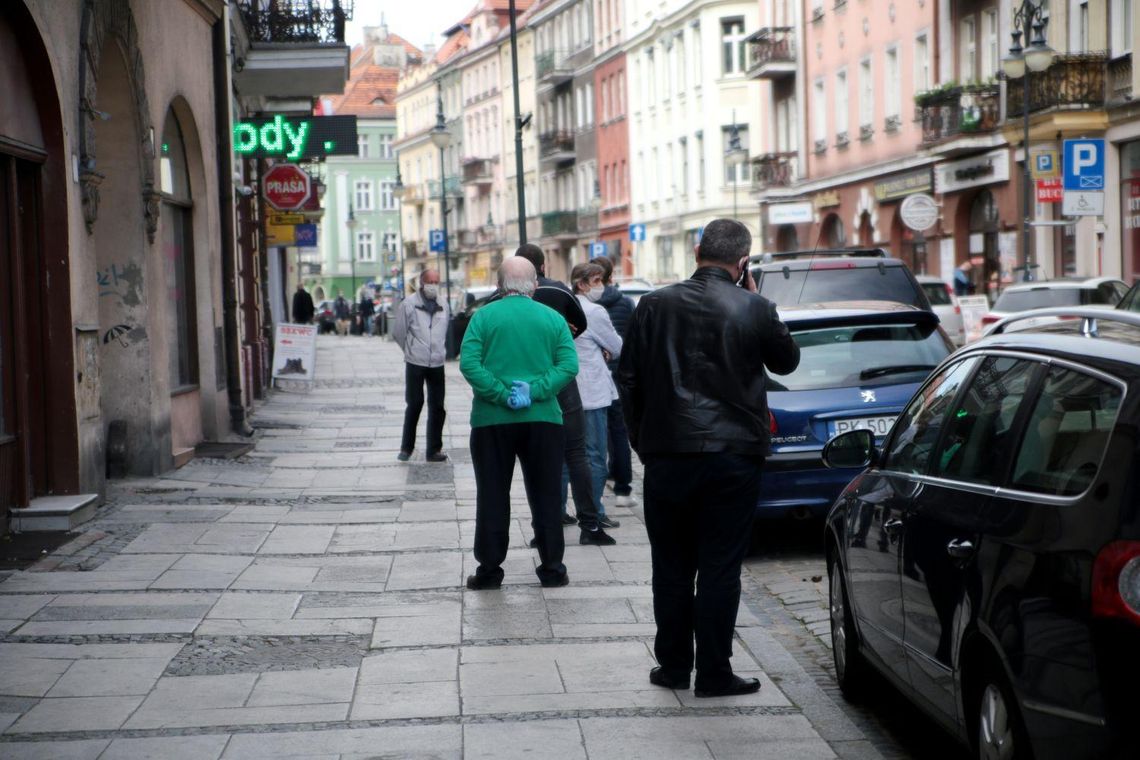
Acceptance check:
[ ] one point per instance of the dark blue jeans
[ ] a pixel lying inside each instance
(698, 512)
(621, 462)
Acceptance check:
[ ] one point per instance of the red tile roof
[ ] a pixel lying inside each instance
(371, 90)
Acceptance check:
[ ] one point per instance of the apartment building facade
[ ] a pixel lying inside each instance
(610, 105)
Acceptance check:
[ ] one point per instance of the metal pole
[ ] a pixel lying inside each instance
(443, 212)
(1027, 191)
(520, 184)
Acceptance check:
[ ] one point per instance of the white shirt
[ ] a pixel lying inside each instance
(595, 383)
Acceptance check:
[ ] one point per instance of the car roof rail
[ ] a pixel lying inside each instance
(764, 258)
(1090, 316)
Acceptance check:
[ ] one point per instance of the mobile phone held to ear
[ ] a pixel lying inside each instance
(741, 281)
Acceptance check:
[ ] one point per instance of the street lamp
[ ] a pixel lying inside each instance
(734, 157)
(399, 191)
(350, 223)
(441, 138)
(1028, 19)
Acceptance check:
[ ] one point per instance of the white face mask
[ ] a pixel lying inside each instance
(595, 294)
(430, 291)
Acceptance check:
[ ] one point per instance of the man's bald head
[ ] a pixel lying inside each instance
(430, 276)
(517, 275)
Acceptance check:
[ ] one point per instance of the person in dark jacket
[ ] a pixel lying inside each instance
(303, 309)
(620, 309)
(692, 381)
(342, 310)
(365, 310)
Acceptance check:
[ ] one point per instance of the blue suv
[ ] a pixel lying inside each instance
(860, 362)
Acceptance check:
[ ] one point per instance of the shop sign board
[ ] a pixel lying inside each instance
(1049, 190)
(826, 199)
(279, 234)
(901, 185)
(286, 187)
(294, 352)
(975, 171)
(295, 138)
(919, 212)
(790, 213)
(283, 219)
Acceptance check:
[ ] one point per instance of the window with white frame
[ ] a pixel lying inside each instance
(841, 102)
(1083, 26)
(365, 246)
(386, 146)
(866, 94)
(967, 50)
(589, 104)
(891, 96)
(742, 171)
(1120, 26)
(990, 58)
(681, 73)
(387, 196)
(390, 242)
(362, 146)
(921, 63)
(363, 195)
(732, 45)
(819, 111)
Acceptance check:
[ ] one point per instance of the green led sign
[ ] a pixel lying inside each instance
(296, 137)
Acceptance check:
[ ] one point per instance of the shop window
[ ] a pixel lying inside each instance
(178, 252)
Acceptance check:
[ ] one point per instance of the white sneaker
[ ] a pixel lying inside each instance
(624, 501)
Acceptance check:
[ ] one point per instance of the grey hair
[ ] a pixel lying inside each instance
(517, 275)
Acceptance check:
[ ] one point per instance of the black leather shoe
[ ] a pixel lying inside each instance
(735, 688)
(568, 519)
(596, 537)
(438, 456)
(607, 522)
(658, 677)
(563, 580)
(483, 583)
(404, 456)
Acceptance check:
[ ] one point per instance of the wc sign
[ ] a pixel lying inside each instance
(1083, 162)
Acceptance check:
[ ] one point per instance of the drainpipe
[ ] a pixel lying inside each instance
(238, 421)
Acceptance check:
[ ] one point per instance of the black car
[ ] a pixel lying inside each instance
(836, 274)
(987, 561)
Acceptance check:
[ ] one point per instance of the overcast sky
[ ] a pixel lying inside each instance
(417, 21)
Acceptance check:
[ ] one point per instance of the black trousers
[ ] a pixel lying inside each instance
(414, 379)
(581, 480)
(698, 512)
(538, 446)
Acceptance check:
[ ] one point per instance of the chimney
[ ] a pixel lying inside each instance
(429, 51)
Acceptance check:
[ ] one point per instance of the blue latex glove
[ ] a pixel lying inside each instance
(520, 395)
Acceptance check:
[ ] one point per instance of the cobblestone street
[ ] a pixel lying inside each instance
(307, 600)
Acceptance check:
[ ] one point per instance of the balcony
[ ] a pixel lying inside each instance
(477, 172)
(486, 236)
(556, 147)
(1120, 79)
(772, 53)
(773, 170)
(412, 249)
(454, 190)
(1075, 82)
(587, 220)
(955, 112)
(560, 224)
(511, 230)
(292, 48)
(552, 68)
(413, 194)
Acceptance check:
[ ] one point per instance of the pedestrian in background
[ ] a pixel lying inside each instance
(303, 309)
(420, 330)
(366, 310)
(620, 468)
(693, 384)
(599, 343)
(517, 355)
(342, 311)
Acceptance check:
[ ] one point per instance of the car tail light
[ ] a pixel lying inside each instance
(1116, 582)
(833, 265)
(773, 428)
(990, 319)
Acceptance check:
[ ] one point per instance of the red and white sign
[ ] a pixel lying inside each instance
(287, 187)
(1049, 191)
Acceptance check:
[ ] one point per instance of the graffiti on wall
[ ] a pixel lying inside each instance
(122, 283)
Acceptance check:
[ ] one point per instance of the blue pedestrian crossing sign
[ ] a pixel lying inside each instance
(436, 241)
(597, 249)
(637, 233)
(1084, 165)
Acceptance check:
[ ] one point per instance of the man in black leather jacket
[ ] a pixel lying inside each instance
(692, 383)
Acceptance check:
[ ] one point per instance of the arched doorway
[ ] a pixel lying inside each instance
(866, 230)
(787, 239)
(832, 234)
(983, 242)
(38, 421)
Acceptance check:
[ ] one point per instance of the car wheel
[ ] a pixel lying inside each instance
(1000, 733)
(849, 665)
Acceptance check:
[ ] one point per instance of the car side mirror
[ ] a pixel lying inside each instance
(855, 448)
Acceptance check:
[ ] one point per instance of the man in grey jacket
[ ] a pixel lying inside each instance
(420, 330)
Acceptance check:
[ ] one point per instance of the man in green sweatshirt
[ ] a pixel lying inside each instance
(517, 355)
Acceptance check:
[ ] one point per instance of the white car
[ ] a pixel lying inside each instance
(945, 304)
(634, 287)
(1100, 292)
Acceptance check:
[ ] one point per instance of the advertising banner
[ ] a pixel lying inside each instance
(973, 309)
(294, 353)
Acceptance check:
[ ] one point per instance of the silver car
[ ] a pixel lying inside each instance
(945, 304)
(1101, 292)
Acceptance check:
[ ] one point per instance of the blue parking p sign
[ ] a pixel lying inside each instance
(597, 249)
(637, 233)
(1084, 165)
(435, 241)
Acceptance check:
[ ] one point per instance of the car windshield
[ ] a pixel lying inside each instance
(1037, 298)
(847, 284)
(862, 355)
(937, 293)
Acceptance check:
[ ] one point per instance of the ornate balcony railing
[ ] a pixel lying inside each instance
(476, 171)
(773, 170)
(587, 219)
(772, 45)
(454, 190)
(559, 223)
(1075, 82)
(320, 21)
(552, 143)
(946, 114)
(1120, 79)
(551, 63)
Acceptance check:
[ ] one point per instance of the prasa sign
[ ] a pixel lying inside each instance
(286, 187)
